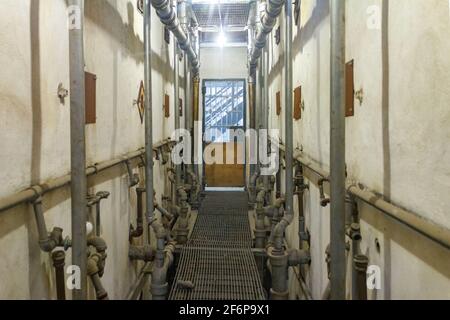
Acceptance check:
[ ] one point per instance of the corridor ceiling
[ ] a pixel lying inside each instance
(229, 16)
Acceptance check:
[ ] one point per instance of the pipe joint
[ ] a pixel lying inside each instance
(134, 177)
(299, 257)
(324, 201)
(141, 253)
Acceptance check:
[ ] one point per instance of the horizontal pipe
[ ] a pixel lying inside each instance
(268, 20)
(420, 224)
(36, 191)
(168, 17)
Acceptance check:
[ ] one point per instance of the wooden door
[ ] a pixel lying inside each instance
(224, 132)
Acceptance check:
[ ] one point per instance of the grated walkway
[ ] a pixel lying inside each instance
(218, 259)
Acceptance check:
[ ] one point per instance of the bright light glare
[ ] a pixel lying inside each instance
(221, 39)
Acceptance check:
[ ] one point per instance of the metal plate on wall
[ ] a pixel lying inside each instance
(298, 103)
(349, 89)
(167, 106)
(278, 102)
(91, 97)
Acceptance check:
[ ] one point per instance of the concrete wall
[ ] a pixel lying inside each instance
(34, 126)
(397, 142)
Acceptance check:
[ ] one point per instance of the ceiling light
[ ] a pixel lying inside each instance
(221, 39)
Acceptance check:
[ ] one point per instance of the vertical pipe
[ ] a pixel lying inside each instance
(98, 220)
(252, 119)
(252, 81)
(176, 94)
(148, 110)
(182, 16)
(337, 153)
(58, 258)
(78, 184)
(265, 113)
(289, 121)
(259, 111)
(195, 121)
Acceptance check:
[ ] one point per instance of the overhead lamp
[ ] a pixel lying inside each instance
(221, 39)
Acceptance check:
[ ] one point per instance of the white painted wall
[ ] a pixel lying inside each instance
(34, 130)
(397, 143)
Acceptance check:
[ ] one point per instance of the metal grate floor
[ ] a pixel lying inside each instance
(218, 259)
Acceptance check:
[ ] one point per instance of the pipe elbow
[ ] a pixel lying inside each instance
(158, 228)
(164, 212)
(260, 196)
(279, 203)
(92, 264)
(98, 243)
(47, 245)
(54, 239)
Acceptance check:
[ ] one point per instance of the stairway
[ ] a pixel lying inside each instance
(218, 259)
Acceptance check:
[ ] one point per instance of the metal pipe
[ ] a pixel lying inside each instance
(252, 92)
(278, 257)
(187, 117)
(59, 258)
(141, 253)
(360, 264)
(164, 212)
(138, 286)
(301, 186)
(195, 134)
(30, 194)
(168, 17)
(279, 262)
(265, 112)
(176, 76)
(289, 122)
(148, 111)
(337, 153)
(278, 233)
(100, 291)
(427, 228)
(268, 20)
(164, 259)
(139, 230)
(77, 143)
(47, 242)
(260, 229)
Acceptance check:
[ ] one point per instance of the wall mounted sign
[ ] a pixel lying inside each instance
(298, 103)
(166, 106)
(278, 102)
(91, 97)
(141, 101)
(349, 89)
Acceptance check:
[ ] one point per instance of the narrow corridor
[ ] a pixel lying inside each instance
(224, 150)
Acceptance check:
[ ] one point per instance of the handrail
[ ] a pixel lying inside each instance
(428, 228)
(39, 190)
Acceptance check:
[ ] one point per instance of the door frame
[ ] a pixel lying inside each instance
(244, 80)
